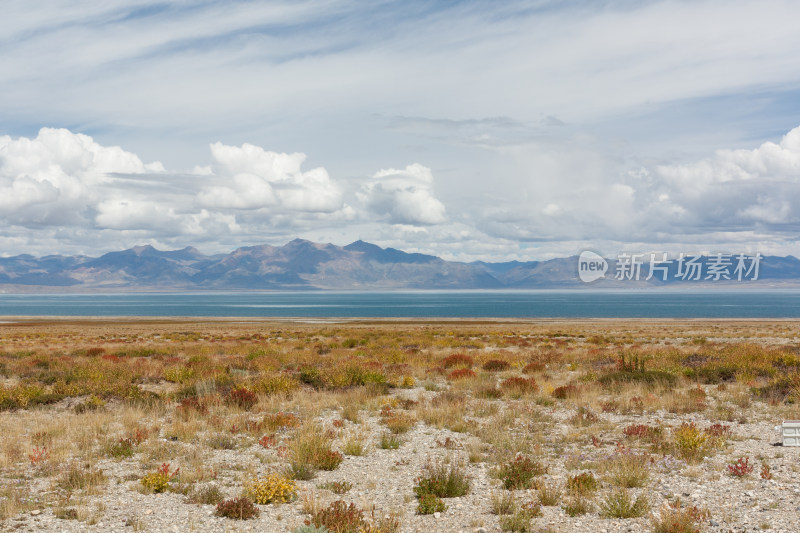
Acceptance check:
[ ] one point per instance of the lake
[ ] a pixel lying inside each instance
(417, 304)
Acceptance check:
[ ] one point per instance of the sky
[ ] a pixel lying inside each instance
(472, 130)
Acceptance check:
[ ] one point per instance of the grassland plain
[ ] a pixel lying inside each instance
(389, 425)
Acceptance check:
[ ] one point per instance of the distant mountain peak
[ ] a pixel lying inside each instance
(143, 249)
(362, 246)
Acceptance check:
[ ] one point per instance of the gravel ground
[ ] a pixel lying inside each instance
(383, 480)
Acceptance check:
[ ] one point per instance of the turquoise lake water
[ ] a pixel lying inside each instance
(438, 304)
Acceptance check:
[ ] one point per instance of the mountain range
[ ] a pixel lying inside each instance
(301, 264)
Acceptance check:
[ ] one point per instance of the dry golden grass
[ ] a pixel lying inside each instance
(75, 394)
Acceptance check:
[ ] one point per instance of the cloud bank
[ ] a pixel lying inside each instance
(63, 191)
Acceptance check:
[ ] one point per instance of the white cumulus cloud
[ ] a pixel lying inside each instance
(254, 178)
(51, 179)
(404, 196)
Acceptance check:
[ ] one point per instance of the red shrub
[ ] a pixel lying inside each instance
(566, 391)
(533, 367)
(267, 441)
(519, 385)
(741, 467)
(242, 398)
(496, 365)
(461, 373)
(458, 359)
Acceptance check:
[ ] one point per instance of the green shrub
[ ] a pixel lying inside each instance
(549, 495)
(519, 473)
(582, 484)
(620, 504)
(337, 487)
(388, 441)
(122, 448)
(429, 504)
(503, 503)
(577, 505)
(208, 495)
(520, 520)
(443, 480)
(628, 469)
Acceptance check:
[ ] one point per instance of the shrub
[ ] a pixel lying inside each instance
(355, 445)
(692, 444)
(583, 417)
(311, 376)
(429, 504)
(38, 455)
(488, 391)
(549, 495)
(582, 484)
(271, 489)
(520, 520)
(532, 368)
(443, 480)
(388, 441)
(677, 519)
(339, 517)
(328, 460)
(191, 404)
(566, 391)
(158, 481)
(741, 467)
(458, 359)
(242, 398)
(577, 505)
(651, 434)
(80, 477)
(121, 448)
(718, 431)
(620, 504)
(311, 450)
(496, 365)
(503, 503)
(461, 373)
(241, 508)
(628, 469)
(519, 473)
(337, 487)
(279, 384)
(517, 386)
(280, 421)
(267, 441)
(300, 471)
(407, 382)
(208, 495)
(399, 422)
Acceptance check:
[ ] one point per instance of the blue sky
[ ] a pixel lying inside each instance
(471, 130)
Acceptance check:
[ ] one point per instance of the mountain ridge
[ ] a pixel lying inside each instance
(305, 265)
